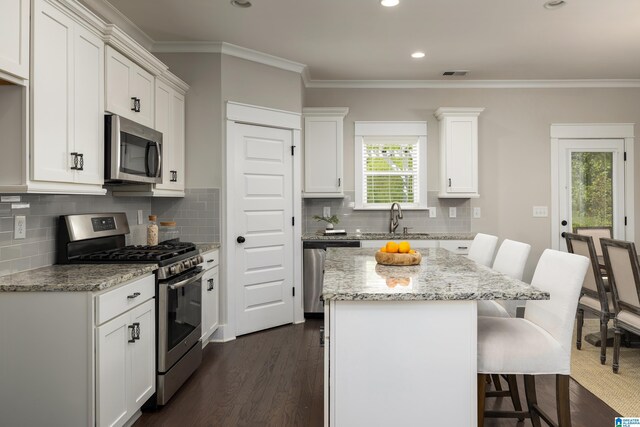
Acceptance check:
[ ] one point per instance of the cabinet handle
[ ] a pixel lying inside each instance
(339, 182)
(136, 331)
(449, 182)
(210, 285)
(136, 104)
(132, 336)
(133, 295)
(75, 161)
(139, 105)
(209, 260)
(463, 247)
(80, 167)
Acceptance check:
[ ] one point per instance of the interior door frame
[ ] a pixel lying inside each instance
(237, 113)
(587, 131)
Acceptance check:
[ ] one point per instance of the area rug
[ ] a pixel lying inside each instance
(620, 391)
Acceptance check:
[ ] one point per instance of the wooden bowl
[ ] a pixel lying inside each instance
(386, 258)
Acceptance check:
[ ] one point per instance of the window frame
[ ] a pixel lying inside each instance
(416, 129)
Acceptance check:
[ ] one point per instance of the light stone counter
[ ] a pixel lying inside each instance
(390, 236)
(206, 247)
(74, 277)
(353, 274)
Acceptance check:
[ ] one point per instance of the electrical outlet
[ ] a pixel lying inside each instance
(20, 227)
(452, 212)
(540, 212)
(432, 212)
(140, 217)
(476, 212)
(326, 211)
(351, 204)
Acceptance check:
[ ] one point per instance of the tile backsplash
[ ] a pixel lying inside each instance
(378, 221)
(197, 215)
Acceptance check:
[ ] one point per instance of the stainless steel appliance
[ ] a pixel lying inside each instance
(314, 254)
(132, 153)
(100, 238)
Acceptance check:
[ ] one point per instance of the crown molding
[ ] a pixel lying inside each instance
(325, 111)
(231, 50)
(120, 40)
(473, 84)
(110, 13)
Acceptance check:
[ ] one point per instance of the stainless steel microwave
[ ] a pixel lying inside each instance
(133, 153)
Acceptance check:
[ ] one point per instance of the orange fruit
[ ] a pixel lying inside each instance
(392, 247)
(404, 247)
(383, 249)
(411, 251)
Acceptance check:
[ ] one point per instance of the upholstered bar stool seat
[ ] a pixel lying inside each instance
(491, 309)
(483, 248)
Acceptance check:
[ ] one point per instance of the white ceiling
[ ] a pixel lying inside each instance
(361, 40)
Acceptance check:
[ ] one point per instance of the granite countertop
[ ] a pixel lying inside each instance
(390, 236)
(74, 277)
(352, 274)
(206, 247)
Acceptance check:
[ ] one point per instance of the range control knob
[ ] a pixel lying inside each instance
(173, 269)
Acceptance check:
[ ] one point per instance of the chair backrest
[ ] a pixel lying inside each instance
(593, 284)
(621, 260)
(561, 274)
(512, 258)
(482, 249)
(597, 233)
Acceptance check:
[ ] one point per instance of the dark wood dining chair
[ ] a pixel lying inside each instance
(621, 261)
(597, 233)
(594, 297)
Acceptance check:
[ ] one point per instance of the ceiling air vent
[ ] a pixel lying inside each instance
(455, 73)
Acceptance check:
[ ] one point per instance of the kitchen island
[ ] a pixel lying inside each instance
(400, 342)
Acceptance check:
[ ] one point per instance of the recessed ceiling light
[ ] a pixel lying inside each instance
(417, 55)
(554, 4)
(241, 3)
(389, 3)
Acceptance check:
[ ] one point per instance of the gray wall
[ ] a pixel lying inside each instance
(514, 146)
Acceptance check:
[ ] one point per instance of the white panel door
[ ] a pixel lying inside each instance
(264, 211)
(119, 70)
(142, 375)
(143, 87)
(111, 371)
(14, 37)
(52, 106)
(461, 155)
(88, 119)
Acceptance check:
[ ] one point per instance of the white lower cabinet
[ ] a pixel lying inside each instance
(125, 364)
(89, 359)
(460, 247)
(210, 295)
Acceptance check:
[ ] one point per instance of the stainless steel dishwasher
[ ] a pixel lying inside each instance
(314, 254)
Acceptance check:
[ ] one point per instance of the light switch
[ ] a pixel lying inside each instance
(432, 212)
(452, 212)
(476, 212)
(540, 212)
(326, 211)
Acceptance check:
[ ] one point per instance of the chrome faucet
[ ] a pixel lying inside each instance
(396, 216)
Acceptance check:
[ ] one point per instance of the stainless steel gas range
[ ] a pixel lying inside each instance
(100, 238)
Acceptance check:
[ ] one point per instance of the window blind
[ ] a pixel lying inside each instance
(390, 170)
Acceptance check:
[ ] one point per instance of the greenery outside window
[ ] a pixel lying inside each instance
(390, 165)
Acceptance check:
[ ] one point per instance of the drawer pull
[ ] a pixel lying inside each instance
(463, 247)
(210, 260)
(134, 295)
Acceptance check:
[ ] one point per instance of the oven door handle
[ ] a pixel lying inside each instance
(187, 281)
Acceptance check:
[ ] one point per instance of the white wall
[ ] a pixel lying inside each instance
(514, 143)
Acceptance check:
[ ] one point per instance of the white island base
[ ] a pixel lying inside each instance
(403, 363)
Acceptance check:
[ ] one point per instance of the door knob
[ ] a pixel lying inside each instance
(563, 234)
(564, 222)
(240, 239)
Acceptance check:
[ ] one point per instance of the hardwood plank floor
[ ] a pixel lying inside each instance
(275, 378)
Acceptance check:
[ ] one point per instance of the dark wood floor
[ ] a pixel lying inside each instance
(275, 378)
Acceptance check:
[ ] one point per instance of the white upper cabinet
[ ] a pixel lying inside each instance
(458, 152)
(170, 111)
(130, 89)
(14, 38)
(323, 141)
(67, 115)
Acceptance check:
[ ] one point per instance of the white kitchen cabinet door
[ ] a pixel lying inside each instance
(210, 303)
(142, 374)
(414, 243)
(458, 152)
(112, 361)
(460, 247)
(88, 104)
(169, 115)
(67, 100)
(323, 152)
(14, 38)
(52, 100)
(126, 81)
